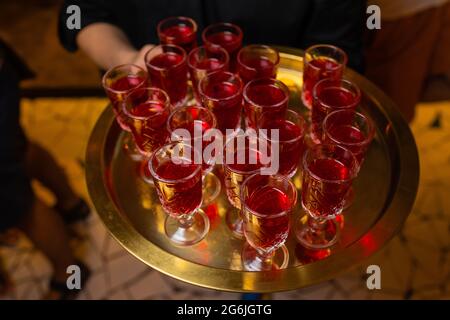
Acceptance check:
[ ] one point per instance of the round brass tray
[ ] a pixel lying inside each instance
(385, 192)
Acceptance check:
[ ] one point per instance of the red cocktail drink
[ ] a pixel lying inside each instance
(267, 202)
(321, 62)
(184, 197)
(328, 172)
(330, 95)
(221, 92)
(181, 31)
(267, 96)
(290, 139)
(118, 82)
(178, 182)
(227, 36)
(147, 111)
(349, 129)
(243, 157)
(257, 61)
(202, 61)
(167, 68)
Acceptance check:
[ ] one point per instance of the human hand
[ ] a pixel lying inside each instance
(138, 58)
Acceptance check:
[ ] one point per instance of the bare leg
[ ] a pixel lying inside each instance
(47, 231)
(42, 166)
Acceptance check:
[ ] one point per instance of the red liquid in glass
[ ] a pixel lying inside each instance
(257, 68)
(268, 99)
(324, 198)
(227, 107)
(150, 132)
(236, 173)
(229, 41)
(168, 72)
(209, 64)
(291, 144)
(316, 70)
(351, 138)
(124, 85)
(181, 35)
(204, 126)
(329, 99)
(265, 232)
(127, 83)
(201, 69)
(180, 197)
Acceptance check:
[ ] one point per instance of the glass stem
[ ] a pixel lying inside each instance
(265, 257)
(317, 225)
(186, 220)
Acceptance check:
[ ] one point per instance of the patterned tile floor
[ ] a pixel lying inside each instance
(416, 264)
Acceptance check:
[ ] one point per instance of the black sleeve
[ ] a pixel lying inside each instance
(91, 11)
(16, 195)
(340, 23)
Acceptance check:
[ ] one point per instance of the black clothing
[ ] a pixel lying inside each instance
(295, 23)
(16, 195)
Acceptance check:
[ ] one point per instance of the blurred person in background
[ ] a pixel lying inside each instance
(5, 281)
(412, 46)
(21, 161)
(117, 32)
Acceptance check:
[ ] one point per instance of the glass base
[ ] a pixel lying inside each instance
(235, 223)
(316, 235)
(130, 148)
(252, 261)
(211, 188)
(190, 234)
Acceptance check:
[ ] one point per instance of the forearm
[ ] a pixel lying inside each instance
(106, 45)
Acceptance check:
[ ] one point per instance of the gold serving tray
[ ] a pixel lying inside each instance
(385, 192)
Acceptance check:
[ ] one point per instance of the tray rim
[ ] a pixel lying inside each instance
(243, 281)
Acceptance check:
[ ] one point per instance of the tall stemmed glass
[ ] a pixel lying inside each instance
(146, 111)
(290, 139)
(226, 35)
(328, 172)
(117, 83)
(203, 60)
(242, 157)
(221, 92)
(267, 201)
(167, 69)
(181, 31)
(352, 130)
(320, 62)
(330, 95)
(257, 61)
(178, 182)
(196, 121)
(349, 129)
(264, 95)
